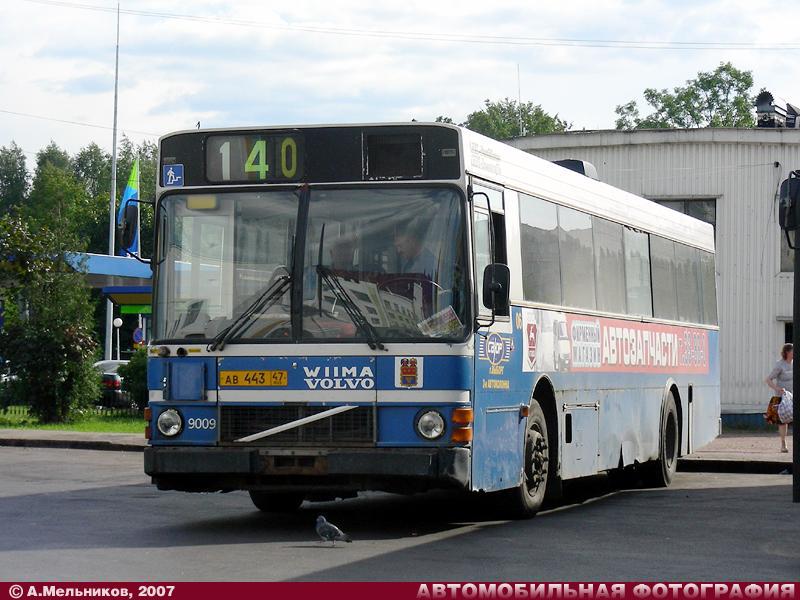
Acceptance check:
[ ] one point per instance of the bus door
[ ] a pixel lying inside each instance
(496, 446)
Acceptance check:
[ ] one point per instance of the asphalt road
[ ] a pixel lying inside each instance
(91, 515)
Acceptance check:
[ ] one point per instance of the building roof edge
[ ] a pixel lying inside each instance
(616, 137)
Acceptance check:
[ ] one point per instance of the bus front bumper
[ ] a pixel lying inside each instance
(310, 469)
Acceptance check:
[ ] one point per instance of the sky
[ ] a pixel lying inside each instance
(251, 62)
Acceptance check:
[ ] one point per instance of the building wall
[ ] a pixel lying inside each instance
(738, 168)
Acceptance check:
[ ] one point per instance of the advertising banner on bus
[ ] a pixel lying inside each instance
(556, 341)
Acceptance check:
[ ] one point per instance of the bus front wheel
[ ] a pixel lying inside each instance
(660, 472)
(527, 499)
(267, 502)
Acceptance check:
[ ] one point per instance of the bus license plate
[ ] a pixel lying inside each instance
(253, 378)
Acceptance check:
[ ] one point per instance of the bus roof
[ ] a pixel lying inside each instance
(495, 161)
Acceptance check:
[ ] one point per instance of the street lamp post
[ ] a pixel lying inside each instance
(117, 325)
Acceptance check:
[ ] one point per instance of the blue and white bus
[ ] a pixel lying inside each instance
(412, 306)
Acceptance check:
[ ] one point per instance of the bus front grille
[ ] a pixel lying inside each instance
(354, 427)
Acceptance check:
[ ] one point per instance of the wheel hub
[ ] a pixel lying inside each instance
(536, 460)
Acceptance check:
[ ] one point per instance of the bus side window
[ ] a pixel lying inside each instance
(483, 252)
(499, 250)
(709, 287)
(489, 203)
(687, 264)
(663, 270)
(637, 273)
(541, 268)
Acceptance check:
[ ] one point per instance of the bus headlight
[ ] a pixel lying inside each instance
(169, 423)
(430, 424)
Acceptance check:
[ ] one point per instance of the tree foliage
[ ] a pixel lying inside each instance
(505, 119)
(54, 156)
(58, 202)
(92, 167)
(48, 340)
(49, 337)
(70, 194)
(719, 98)
(14, 177)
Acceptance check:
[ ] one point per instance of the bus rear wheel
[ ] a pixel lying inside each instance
(276, 503)
(660, 472)
(527, 499)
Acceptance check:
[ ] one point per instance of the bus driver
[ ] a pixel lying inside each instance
(413, 256)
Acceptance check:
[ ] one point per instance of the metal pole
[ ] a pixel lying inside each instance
(138, 248)
(796, 381)
(112, 203)
(519, 105)
(117, 328)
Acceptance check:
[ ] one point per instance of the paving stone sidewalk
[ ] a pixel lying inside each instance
(748, 446)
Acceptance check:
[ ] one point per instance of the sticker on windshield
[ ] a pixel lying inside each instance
(441, 324)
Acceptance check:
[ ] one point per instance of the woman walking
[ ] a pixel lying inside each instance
(780, 380)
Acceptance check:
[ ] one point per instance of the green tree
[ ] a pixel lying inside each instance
(59, 202)
(14, 177)
(92, 167)
(501, 120)
(47, 340)
(719, 98)
(53, 155)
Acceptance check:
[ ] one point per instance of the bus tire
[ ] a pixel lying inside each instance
(526, 500)
(660, 472)
(276, 503)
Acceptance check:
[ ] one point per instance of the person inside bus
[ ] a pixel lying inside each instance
(343, 254)
(780, 379)
(412, 254)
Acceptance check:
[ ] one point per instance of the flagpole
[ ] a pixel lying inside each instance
(112, 201)
(138, 249)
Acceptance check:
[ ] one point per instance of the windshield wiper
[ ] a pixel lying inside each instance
(352, 309)
(263, 303)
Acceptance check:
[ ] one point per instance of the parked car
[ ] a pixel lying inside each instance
(111, 384)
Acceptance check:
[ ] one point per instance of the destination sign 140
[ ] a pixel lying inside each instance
(254, 158)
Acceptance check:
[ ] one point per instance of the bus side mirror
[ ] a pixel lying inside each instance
(789, 199)
(129, 226)
(496, 280)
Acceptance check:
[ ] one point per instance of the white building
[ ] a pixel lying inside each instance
(728, 177)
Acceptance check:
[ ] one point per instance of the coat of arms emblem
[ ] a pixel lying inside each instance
(409, 374)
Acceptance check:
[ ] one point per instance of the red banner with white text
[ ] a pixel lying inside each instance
(406, 591)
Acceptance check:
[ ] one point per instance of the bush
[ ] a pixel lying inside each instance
(134, 378)
(53, 368)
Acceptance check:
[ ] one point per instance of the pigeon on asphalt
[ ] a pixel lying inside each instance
(330, 532)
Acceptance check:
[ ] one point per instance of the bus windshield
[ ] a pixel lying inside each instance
(378, 264)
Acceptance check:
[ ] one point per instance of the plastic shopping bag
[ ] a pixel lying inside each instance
(786, 408)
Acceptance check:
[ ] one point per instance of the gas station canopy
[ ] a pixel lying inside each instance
(125, 281)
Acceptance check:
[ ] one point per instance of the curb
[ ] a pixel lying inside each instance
(754, 467)
(73, 444)
(685, 465)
